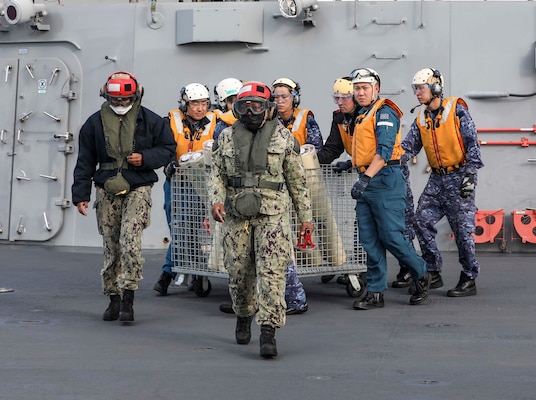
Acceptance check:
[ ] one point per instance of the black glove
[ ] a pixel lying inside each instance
(341, 166)
(170, 169)
(468, 185)
(359, 186)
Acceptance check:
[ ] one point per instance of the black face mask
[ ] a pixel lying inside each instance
(252, 122)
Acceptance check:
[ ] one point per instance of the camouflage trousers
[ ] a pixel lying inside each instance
(409, 211)
(256, 255)
(295, 296)
(121, 221)
(441, 198)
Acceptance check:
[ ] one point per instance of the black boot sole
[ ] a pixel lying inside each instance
(126, 318)
(268, 350)
(160, 289)
(466, 293)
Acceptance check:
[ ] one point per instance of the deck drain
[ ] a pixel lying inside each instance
(428, 382)
(32, 322)
(440, 325)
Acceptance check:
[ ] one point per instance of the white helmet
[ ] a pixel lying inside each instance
(431, 77)
(227, 87)
(366, 75)
(286, 82)
(195, 91)
(427, 75)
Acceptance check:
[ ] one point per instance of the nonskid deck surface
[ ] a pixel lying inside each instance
(55, 345)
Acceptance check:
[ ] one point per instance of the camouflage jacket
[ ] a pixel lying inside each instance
(284, 165)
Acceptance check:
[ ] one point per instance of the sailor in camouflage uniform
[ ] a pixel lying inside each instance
(119, 147)
(448, 134)
(257, 172)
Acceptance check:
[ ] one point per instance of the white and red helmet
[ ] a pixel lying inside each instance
(121, 85)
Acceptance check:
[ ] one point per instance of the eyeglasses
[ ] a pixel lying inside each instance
(282, 97)
(420, 88)
(253, 106)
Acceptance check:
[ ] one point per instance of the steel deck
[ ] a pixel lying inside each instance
(54, 344)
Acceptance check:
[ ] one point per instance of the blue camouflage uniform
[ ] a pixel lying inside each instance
(409, 233)
(441, 197)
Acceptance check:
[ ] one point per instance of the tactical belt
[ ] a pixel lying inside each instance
(447, 170)
(237, 183)
(390, 162)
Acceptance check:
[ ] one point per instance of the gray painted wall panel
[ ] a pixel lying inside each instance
(478, 46)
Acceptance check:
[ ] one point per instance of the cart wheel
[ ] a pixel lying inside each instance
(202, 286)
(352, 291)
(326, 278)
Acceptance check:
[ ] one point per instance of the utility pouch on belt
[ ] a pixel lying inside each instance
(117, 185)
(248, 203)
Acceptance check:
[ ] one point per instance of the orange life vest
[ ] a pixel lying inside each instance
(298, 127)
(186, 140)
(364, 141)
(441, 137)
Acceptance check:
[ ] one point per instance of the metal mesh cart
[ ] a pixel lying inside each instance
(337, 251)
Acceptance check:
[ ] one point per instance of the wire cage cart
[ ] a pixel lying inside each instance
(332, 249)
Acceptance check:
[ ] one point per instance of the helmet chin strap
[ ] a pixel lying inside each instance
(374, 96)
(432, 99)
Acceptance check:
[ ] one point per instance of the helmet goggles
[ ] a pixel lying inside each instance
(121, 101)
(365, 75)
(341, 97)
(420, 88)
(256, 107)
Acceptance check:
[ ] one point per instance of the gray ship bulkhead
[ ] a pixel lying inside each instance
(51, 72)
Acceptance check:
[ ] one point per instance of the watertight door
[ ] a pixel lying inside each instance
(34, 147)
(8, 88)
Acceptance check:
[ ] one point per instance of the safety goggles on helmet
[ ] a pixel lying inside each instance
(255, 106)
(420, 88)
(343, 88)
(365, 75)
(341, 97)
